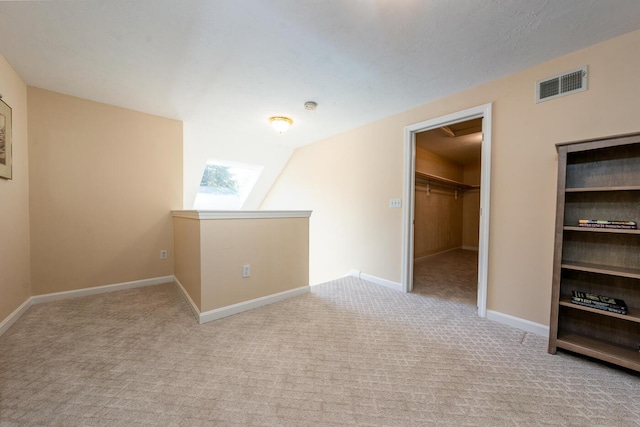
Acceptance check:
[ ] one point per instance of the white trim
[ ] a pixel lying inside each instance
(374, 279)
(200, 317)
(408, 208)
(195, 214)
(187, 297)
(57, 296)
(354, 273)
(516, 322)
(38, 299)
(471, 248)
(481, 111)
(230, 310)
(485, 191)
(382, 282)
(13, 317)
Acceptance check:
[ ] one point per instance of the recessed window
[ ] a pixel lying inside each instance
(226, 185)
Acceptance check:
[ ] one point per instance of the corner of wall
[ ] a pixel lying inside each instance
(15, 249)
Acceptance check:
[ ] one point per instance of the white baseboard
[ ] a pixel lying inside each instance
(56, 296)
(516, 322)
(37, 299)
(377, 280)
(352, 273)
(230, 310)
(192, 305)
(13, 317)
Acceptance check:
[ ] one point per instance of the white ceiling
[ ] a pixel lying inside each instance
(229, 65)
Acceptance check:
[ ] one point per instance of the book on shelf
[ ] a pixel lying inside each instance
(612, 309)
(615, 226)
(608, 223)
(599, 301)
(621, 306)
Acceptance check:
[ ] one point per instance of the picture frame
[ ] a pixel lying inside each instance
(5, 140)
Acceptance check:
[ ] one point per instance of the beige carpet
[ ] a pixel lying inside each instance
(349, 353)
(451, 276)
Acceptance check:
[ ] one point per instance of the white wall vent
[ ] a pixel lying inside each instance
(561, 85)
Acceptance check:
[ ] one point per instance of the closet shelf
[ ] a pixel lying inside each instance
(446, 181)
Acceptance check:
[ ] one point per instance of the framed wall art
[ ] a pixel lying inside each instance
(5, 140)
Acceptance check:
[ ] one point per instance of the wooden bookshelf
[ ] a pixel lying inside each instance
(597, 179)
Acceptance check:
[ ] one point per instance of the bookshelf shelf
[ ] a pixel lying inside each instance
(633, 314)
(633, 273)
(619, 355)
(601, 230)
(597, 189)
(597, 179)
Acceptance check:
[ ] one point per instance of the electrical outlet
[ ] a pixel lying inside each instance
(163, 254)
(246, 270)
(395, 203)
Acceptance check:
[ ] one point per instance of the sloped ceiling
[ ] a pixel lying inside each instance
(460, 143)
(224, 67)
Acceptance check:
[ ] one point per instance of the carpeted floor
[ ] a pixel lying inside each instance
(451, 276)
(349, 353)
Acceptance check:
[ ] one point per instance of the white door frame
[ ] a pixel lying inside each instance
(481, 111)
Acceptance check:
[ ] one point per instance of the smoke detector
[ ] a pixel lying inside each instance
(310, 105)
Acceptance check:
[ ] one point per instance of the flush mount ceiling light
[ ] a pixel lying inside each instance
(280, 123)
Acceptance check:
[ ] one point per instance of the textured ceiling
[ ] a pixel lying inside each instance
(229, 65)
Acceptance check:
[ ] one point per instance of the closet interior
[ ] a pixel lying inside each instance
(447, 211)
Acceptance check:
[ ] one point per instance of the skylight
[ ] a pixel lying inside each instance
(225, 185)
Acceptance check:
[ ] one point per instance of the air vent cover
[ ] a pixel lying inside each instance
(561, 85)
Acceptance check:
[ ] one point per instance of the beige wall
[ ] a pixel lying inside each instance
(276, 248)
(14, 200)
(210, 254)
(103, 181)
(186, 246)
(347, 180)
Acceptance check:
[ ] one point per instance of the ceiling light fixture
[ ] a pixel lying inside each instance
(280, 123)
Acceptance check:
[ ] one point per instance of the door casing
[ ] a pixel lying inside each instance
(481, 111)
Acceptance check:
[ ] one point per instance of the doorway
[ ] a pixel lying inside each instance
(451, 123)
(446, 212)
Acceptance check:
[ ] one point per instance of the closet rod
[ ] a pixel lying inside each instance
(449, 182)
